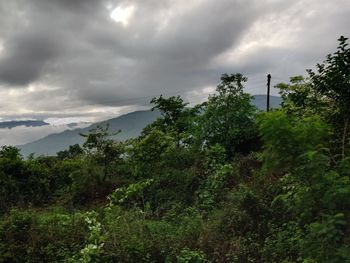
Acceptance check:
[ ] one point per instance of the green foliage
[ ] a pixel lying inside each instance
(133, 237)
(22, 182)
(92, 251)
(215, 156)
(172, 110)
(228, 117)
(233, 232)
(316, 199)
(283, 243)
(33, 236)
(177, 120)
(300, 98)
(189, 256)
(103, 148)
(324, 235)
(325, 93)
(286, 137)
(214, 187)
(132, 192)
(73, 152)
(147, 153)
(332, 77)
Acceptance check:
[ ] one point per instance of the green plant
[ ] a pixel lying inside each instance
(131, 192)
(190, 256)
(93, 249)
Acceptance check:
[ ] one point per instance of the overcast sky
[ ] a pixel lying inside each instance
(91, 59)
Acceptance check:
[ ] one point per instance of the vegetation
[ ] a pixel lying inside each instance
(217, 182)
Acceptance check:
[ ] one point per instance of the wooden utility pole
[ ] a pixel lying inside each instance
(268, 92)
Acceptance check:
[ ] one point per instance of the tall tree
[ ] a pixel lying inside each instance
(326, 93)
(103, 147)
(228, 117)
(176, 120)
(332, 82)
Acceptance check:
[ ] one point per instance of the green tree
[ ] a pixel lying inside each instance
(299, 97)
(326, 93)
(171, 109)
(286, 137)
(177, 119)
(104, 149)
(332, 82)
(228, 117)
(332, 78)
(72, 152)
(21, 181)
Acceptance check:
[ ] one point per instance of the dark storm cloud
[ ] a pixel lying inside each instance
(26, 56)
(70, 55)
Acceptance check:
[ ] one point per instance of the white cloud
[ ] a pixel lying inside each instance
(122, 14)
(22, 134)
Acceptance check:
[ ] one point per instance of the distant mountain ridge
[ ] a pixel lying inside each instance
(130, 124)
(27, 123)
(260, 101)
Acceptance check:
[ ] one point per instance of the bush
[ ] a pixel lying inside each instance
(32, 236)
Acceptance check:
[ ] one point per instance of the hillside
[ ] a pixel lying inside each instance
(130, 124)
(260, 101)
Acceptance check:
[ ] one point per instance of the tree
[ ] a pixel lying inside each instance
(228, 117)
(11, 166)
(326, 93)
(176, 119)
(332, 82)
(170, 108)
(104, 149)
(72, 152)
(332, 78)
(21, 181)
(299, 97)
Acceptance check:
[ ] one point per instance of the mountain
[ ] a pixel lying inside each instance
(130, 124)
(27, 123)
(76, 124)
(260, 101)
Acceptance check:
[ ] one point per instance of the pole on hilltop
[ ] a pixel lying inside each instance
(268, 92)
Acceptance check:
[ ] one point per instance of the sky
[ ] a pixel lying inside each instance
(90, 60)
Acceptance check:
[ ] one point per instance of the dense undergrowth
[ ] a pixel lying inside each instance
(218, 182)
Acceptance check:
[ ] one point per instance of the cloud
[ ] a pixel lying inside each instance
(65, 58)
(22, 134)
(25, 58)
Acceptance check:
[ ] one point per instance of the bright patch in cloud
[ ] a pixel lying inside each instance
(122, 14)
